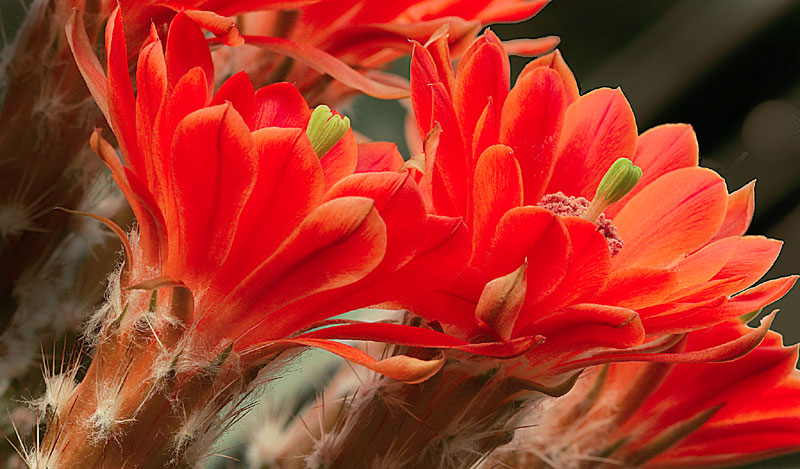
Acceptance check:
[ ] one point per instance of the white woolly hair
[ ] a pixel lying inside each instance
(59, 389)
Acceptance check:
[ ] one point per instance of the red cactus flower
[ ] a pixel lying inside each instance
(368, 36)
(669, 416)
(626, 271)
(575, 248)
(253, 229)
(306, 42)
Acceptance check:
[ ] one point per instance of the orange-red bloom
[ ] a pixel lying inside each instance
(669, 416)
(306, 42)
(233, 202)
(251, 232)
(367, 36)
(520, 165)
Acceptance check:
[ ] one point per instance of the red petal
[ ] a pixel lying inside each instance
(482, 75)
(280, 105)
(537, 235)
(497, 189)
(153, 236)
(598, 129)
(746, 302)
(660, 150)
(341, 160)
(87, 61)
(703, 264)
(440, 53)
(187, 48)
(752, 259)
(501, 301)
(451, 175)
(399, 367)
(378, 156)
(419, 337)
(423, 74)
(400, 206)
(187, 96)
(221, 26)
(151, 89)
(588, 325)
(673, 215)
(555, 61)
(739, 213)
(531, 47)
(532, 118)
(638, 287)
(122, 106)
(501, 11)
(586, 276)
(288, 187)
(487, 131)
(239, 91)
(439, 260)
(724, 352)
(337, 244)
(214, 166)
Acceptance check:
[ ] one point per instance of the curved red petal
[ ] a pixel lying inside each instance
(497, 189)
(672, 216)
(323, 62)
(400, 206)
(739, 213)
(483, 75)
(214, 168)
(598, 129)
(288, 187)
(532, 118)
(337, 244)
(660, 150)
(187, 48)
(121, 103)
(378, 156)
(555, 61)
(583, 326)
(239, 91)
(537, 235)
(280, 105)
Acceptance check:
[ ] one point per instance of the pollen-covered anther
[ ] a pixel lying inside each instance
(325, 129)
(566, 206)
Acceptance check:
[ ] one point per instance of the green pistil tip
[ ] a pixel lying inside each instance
(325, 129)
(620, 179)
